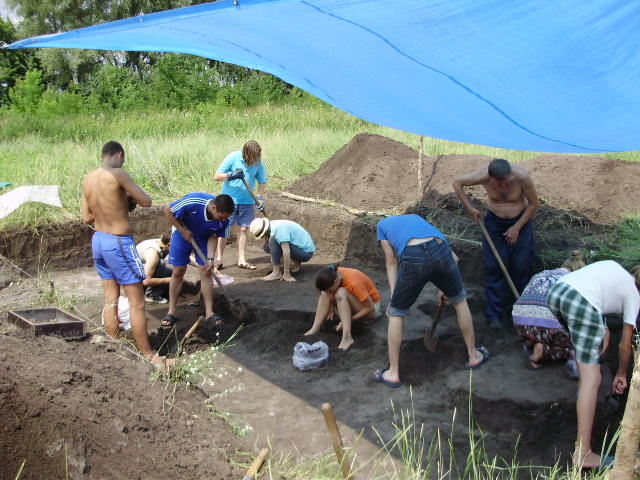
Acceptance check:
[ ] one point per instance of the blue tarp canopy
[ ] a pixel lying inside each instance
(559, 76)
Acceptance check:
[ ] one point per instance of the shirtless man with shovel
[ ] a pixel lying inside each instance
(512, 203)
(108, 194)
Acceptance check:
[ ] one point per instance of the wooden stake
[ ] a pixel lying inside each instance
(336, 439)
(627, 446)
(420, 181)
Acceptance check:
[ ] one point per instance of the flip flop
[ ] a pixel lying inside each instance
(215, 319)
(485, 357)
(168, 321)
(379, 377)
(247, 266)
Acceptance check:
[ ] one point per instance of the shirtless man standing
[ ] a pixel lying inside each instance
(108, 194)
(512, 202)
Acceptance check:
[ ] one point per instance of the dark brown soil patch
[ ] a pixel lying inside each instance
(376, 173)
(96, 413)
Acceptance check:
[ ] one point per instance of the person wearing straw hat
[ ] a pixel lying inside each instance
(512, 202)
(237, 167)
(286, 242)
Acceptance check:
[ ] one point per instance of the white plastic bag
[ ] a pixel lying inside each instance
(309, 357)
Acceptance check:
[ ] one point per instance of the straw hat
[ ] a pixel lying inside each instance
(259, 226)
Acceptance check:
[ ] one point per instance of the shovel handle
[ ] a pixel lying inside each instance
(204, 259)
(193, 328)
(437, 317)
(255, 199)
(256, 465)
(499, 260)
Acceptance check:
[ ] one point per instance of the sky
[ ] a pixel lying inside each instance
(6, 12)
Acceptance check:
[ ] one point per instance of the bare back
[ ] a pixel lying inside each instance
(107, 200)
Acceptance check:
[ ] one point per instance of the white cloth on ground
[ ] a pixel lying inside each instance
(11, 201)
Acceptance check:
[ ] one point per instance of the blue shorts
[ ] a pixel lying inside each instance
(180, 249)
(116, 257)
(243, 214)
(426, 262)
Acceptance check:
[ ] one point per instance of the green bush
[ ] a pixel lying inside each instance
(27, 93)
(61, 103)
(116, 88)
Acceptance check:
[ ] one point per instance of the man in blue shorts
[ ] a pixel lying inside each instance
(417, 253)
(108, 194)
(245, 164)
(204, 218)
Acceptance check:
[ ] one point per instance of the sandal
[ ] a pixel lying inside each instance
(247, 266)
(378, 376)
(168, 320)
(215, 319)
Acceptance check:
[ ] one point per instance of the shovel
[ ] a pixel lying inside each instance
(430, 339)
(238, 312)
(499, 260)
(255, 199)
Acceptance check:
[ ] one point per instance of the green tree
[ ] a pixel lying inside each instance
(27, 93)
(13, 63)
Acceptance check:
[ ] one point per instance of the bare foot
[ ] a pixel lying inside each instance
(345, 344)
(311, 332)
(288, 278)
(272, 276)
(536, 357)
(589, 460)
(339, 327)
(477, 358)
(295, 266)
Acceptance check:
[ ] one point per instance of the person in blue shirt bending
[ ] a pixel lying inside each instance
(245, 164)
(204, 218)
(417, 253)
(285, 241)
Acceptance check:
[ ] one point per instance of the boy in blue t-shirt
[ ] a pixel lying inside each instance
(247, 165)
(203, 218)
(425, 256)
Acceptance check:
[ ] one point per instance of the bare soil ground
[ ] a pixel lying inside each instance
(97, 411)
(76, 410)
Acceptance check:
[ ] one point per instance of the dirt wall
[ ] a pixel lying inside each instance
(68, 245)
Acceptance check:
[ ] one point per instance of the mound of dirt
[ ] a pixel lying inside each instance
(376, 173)
(75, 410)
(371, 172)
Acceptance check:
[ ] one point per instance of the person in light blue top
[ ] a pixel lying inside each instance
(417, 253)
(284, 240)
(234, 170)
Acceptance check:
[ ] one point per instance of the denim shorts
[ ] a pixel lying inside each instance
(243, 214)
(419, 264)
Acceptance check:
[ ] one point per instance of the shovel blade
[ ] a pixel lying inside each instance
(430, 341)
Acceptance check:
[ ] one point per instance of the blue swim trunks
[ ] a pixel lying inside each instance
(116, 257)
(180, 249)
(243, 214)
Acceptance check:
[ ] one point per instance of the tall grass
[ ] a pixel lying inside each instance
(171, 152)
(419, 454)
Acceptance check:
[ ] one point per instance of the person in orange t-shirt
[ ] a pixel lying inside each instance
(354, 295)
